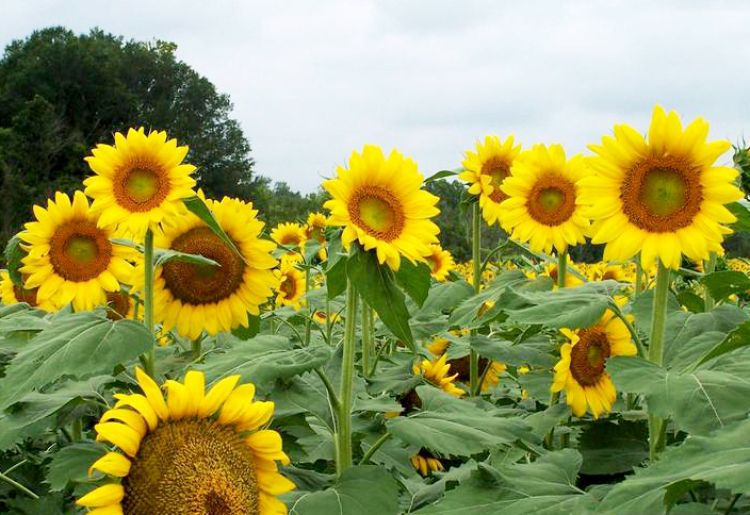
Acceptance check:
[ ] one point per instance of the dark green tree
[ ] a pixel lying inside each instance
(61, 93)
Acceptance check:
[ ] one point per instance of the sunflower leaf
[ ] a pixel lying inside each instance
(162, 256)
(71, 464)
(743, 216)
(442, 174)
(199, 208)
(13, 256)
(725, 283)
(414, 279)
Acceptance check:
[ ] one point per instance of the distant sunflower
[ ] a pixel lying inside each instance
(290, 235)
(194, 297)
(438, 345)
(425, 463)
(120, 305)
(195, 452)
(69, 258)
(380, 203)
(571, 280)
(321, 317)
(11, 293)
(663, 197)
(139, 181)
(581, 370)
(436, 372)
(486, 169)
(315, 228)
(441, 262)
(291, 285)
(542, 205)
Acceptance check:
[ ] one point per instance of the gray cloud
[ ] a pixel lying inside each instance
(311, 81)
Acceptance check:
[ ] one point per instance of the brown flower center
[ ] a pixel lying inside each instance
(497, 169)
(288, 287)
(140, 187)
(118, 305)
(378, 212)
(460, 366)
(192, 466)
(587, 357)
(203, 284)
(552, 200)
(661, 193)
(24, 295)
(79, 251)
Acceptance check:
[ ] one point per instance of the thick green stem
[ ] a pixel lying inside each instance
(709, 267)
(554, 398)
(344, 418)
(368, 339)
(148, 298)
(656, 352)
(562, 268)
(197, 348)
(308, 322)
(76, 431)
(638, 276)
(476, 256)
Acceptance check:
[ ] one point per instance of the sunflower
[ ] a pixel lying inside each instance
(581, 370)
(662, 197)
(321, 317)
(542, 205)
(438, 345)
(11, 293)
(571, 280)
(425, 463)
(291, 284)
(139, 181)
(194, 297)
(315, 229)
(436, 372)
(120, 305)
(441, 262)
(379, 202)
(69, 258)
(291, 235)
(195, 452)
(486, 169)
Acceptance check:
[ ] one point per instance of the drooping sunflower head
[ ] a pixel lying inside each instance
(426, 463)
(11, 293)
(196, 297)
(380, 204)
(581, 370)
(290, 235)
(139, 181)
(441, 262)
(316, 227)
(291, 284)
(663, 195)
(485, 170)
(69, 257)
(436, 372)
(542, 207)
(195, 452)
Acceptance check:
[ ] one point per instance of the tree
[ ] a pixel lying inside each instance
(62, 93)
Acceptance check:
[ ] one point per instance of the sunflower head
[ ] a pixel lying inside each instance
(426, 463)
(379, 202)
(542, 205)
(292, 286)
(322, 317)
(441, 262)
(139, 181)
(291, 235)
(485, 170)
(69, 257)
(193, 452)
(316, 227)
(436, 372)
(663, 195)
(11, 293)
(581, 371)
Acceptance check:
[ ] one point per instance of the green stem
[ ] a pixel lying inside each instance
(638, 276)
(344, 418)
(656, 351)
(333, 399)
(148, 298)
(476, 256)
(77, 430)
(562, 268)
(372, 450)
(197, 348)
(368, 338)
(329, 322)
(18, 486)
(549, 438)
(709, 267)
(731, 504)
(308, 321)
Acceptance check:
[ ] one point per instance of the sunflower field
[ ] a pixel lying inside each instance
(162, 352)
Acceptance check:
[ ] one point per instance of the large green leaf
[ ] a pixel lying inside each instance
(79, 345)
(377, 285)
(71, 464)
(263, 358)
(361, 490)
(568, 307)
(414, 279)
(613, 448)
(444, 297)
(470, 310)
(738, 338)
(743, 217)
(13, 256)
(721, 458)
(725, 283)
(532, 352)
(452, 427)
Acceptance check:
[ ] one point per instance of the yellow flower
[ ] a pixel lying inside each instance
(140, 181)
(571, 281)
(486, 169)
(581, 370)
(290, 235)
(542, 205)
(436, 372)
(663, 197)
(196, 451)
(70, 259)
(291, 285)
(13, 294)
(441, 262)
(379, 203)
(316, 227)
(321, 317)
(194, 297)
(438, 346)
(425, 463)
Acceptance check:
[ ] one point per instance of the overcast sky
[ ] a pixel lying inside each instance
(313, 80)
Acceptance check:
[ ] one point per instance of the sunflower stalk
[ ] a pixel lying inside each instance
(149, 357)
(476, 256)
(656, 425)
(308, 320)
(344, 418)
(368, 339)
(562, 268)
(709, 266)
(638, 276)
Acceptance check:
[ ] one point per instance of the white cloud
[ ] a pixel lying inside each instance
(312, 81)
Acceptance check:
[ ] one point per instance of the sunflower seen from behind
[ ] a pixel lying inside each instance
(69, 258)
(662, 195)
(581, 371)
(542, 208)
(485, 170)
(195, 297)
(140, 181)
(379, 202)
(196, 451)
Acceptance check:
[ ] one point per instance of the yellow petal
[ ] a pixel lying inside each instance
(102, 496)
(113, 464)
